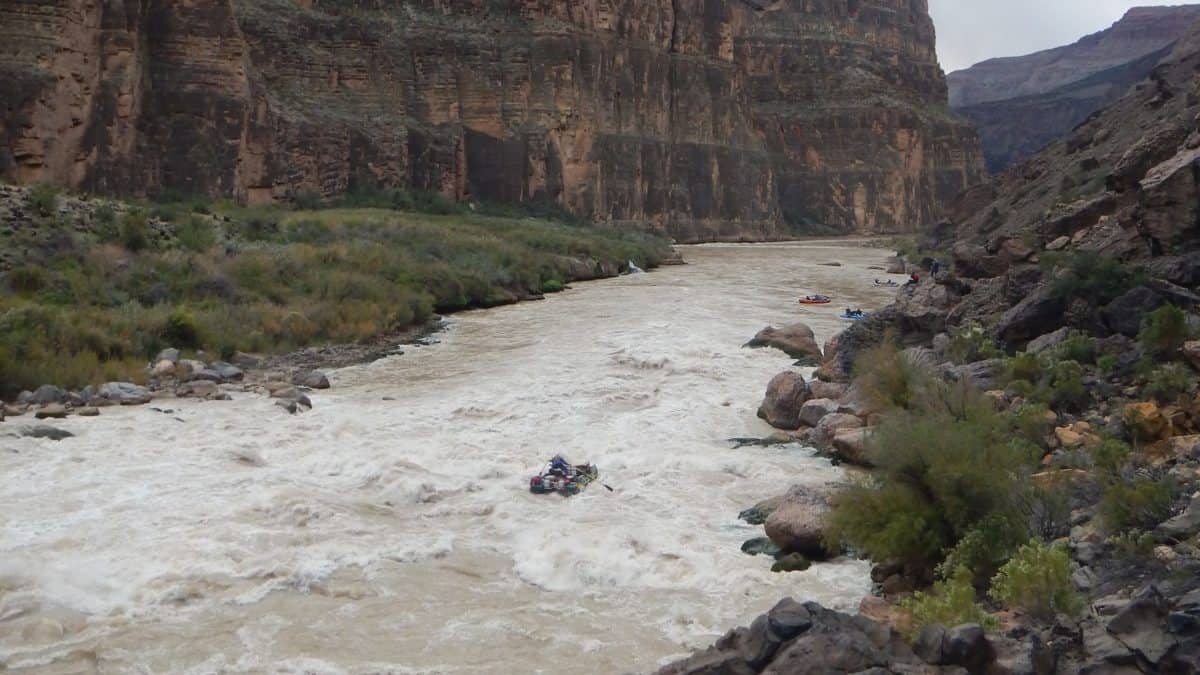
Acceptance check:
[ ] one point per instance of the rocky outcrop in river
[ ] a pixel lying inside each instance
(736, 120)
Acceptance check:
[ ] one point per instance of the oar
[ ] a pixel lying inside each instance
(607, 487)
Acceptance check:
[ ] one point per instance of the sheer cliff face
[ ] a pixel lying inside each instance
(745, 119)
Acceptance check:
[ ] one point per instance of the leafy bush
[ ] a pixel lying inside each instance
(1025, 367)
(985, 547)
(951, 602)
(971, 343)
(1037, 579)
(106, 214)
(888, 379)
(181, 330)
(1164, 331)
(134, 231)
(1090, 276)
(1137, 502)
(1078, 347)
(1107, 364)
(1132, 546)
(1110, 457)
(1065, 389)
(1168, 382)
(43, 199)
(196, 234)
(552, 286)
(938, 479)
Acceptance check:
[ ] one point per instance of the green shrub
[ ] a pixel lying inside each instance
(1164, 331)
(1107, 364)
(43, 199)
(307, 200)
(1078, 347)
(181, 330)
(1137, 502)
(1038, 580)
(1065, 389)
(951, 602)
(552, 286)
(1090, 276)
(888, 379)
(1168, 382)
(1025, 367)
(196, 234)
(985, 547)
(970, 343)
(1110, 457)
(134, 231)
(1132, 546)
(938, 479)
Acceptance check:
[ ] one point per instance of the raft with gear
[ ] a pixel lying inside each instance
(816, 300)
(564, 478)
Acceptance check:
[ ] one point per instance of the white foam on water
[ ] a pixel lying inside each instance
(374, 535)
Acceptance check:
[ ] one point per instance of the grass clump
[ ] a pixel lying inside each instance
(1136, 502)
(1078, 347)
(1168, 382)
(1037, 579)
(970, 343)
(951, 602)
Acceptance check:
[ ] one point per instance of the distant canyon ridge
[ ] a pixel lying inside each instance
(1020, 104)
(738, 120)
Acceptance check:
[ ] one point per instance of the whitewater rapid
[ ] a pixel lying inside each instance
(391, 530)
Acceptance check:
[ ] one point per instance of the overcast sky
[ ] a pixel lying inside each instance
(970, 31)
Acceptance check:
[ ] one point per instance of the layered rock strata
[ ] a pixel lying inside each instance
(735, 120)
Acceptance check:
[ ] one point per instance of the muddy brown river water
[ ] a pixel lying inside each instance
(390, 529)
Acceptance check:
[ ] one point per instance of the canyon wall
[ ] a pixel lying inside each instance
(746, 119)
(1020, 104)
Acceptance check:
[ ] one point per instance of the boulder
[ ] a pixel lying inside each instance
(1049, 341)
(923, 308)
(51, 411)
(1038, 313)
(185, 367)
(850, 445)
(791, 562)
(928, 643)
(206, 374)
(47, 393)
(51, 433)
(830, 390)
(1077, 435)
(982, 374)
(829, 426)
(1146, 421)
(1184, 525)
(197, 388)
(1191, 352)
(786, 394)
(895, 265)
(246, 361)
(228, 371)
(1059, 243)
(124, 393)
(163, 368)
(170, 354)
(88, 411)
(967, 646)
(313, 379)
(1141, 625)
(1124, 315)
(796, 340)
(814, 409)
(760, 546)
(798, 524)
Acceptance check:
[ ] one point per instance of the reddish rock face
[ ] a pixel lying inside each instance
(732, 120)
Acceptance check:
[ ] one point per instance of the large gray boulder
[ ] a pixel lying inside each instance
(814, 409)
(797, 525)
(1124, 315)
(47, 393)
(796, 340)
(851, 446)
(786, 394)
(313, 379)
(822, 435)
(124, 393)
(1038, 313)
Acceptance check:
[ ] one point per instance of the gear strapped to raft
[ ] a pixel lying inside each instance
(564, 478)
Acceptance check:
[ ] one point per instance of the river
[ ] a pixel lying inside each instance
(391, 530)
